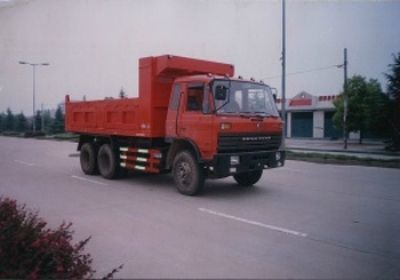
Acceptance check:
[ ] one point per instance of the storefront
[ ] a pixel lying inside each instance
(309, 116)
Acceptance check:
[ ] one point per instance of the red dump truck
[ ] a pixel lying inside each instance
(192, 117)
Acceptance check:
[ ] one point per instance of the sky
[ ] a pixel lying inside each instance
(93, 46)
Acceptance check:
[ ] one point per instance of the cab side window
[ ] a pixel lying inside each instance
(195, 93)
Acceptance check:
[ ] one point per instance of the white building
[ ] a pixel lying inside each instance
(311, 116)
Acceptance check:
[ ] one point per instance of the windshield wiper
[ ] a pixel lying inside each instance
(222, 106)
(226, 113)
(245, 114)
(265, 115)
(257, 114)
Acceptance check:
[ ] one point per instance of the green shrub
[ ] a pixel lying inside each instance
(10, 133)
(29, 250)
(29, 134)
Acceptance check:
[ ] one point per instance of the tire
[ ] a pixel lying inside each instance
(188, 174)
(88, 159)
(247, 179)
(107, 162)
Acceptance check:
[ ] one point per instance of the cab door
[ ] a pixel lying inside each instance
(196, 120)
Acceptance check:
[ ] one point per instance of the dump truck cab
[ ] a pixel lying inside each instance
(232, 124)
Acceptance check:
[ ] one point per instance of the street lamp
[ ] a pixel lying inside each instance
(33, 70)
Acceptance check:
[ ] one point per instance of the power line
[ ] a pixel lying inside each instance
(306, 71)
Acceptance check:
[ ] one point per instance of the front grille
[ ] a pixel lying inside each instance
(248, 143)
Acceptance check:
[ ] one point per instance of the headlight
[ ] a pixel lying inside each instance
(235, 160)
(225, 126)
(278, 156)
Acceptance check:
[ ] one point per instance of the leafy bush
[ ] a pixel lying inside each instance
(9, 133)
(29, 250)
(28, 134)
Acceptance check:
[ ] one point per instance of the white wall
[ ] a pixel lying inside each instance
(318, 127)
(354, 135)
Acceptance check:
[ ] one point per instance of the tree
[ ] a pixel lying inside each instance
(58, 123)
(393, 77)
(21, 123)
(122, 93)
(2, 121)
(9, 121)
(38, 120)
(393, 90)
(376, 110)
(47, 121)
(366, 107)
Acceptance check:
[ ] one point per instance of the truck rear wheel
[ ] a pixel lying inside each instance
(107, 162)
(248, 179)
(188, 176)
(88, 159)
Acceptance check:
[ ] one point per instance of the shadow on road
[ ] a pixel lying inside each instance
(226, 189)
(212, 188)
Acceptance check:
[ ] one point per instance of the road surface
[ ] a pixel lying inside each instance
(304, 220)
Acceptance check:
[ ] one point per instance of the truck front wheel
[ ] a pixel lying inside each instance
(107, 162)
(248, 179)
(88, 159)
(188, 176)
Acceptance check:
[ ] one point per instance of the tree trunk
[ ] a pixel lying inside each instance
(361, 137)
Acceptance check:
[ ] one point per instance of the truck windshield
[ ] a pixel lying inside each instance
(244, 98)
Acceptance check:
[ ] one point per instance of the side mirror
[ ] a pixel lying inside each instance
(221, 92)
(274, 93)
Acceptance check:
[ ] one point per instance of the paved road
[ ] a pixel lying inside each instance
(301, 221)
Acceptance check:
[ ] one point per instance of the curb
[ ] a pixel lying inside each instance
(395, 154)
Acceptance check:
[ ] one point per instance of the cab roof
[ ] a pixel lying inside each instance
(209, 77)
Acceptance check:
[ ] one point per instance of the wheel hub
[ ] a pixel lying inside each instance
(184, 173)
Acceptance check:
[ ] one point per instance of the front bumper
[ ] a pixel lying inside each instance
(226, 164)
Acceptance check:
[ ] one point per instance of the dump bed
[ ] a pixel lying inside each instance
(145, 115)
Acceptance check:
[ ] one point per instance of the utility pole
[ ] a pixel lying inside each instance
(345, 100)
(284, 73)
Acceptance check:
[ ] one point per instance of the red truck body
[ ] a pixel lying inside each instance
(191, 117)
